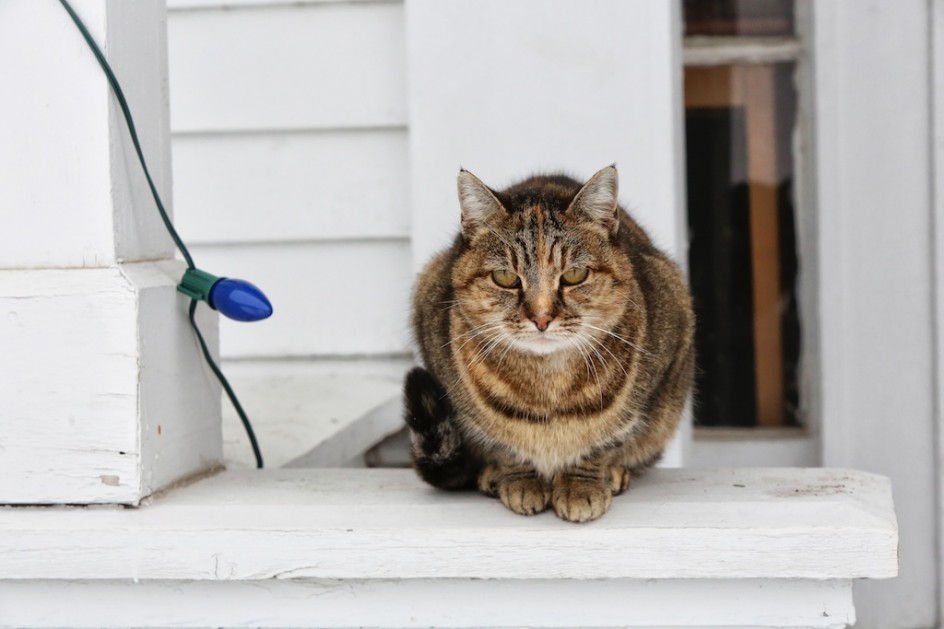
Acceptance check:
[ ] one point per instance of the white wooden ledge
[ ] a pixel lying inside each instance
(299, 535)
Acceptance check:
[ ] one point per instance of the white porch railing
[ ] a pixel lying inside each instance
(353, 548)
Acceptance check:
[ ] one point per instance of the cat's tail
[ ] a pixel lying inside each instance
(440, 455)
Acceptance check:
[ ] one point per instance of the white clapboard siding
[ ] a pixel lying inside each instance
(295, 186)
(332, 298)
(291, 166)
(288, 67)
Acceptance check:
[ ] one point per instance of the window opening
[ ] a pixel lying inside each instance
(738, 17)
(740, 117)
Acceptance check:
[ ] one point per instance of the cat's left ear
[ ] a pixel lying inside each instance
(597, 202)
(478, 203)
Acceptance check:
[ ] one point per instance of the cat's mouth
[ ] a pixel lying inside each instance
(541, 343)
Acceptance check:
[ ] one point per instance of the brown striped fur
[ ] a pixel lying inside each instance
(560, 417)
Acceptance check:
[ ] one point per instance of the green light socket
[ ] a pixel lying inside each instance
(196, 284)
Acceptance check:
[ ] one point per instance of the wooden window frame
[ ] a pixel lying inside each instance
(780, 445)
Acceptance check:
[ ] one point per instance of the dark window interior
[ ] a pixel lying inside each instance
(742, 243)
(747, 18)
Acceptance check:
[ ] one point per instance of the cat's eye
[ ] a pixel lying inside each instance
(505, 278)
(574, 275)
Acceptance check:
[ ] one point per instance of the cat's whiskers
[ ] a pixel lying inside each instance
(497, 340)
(618, 338)
(451, 303)
(624, 295)
(504, 354)
(573, 340)
(476, 331)
(585, 349)
(603, 366)
(482, 350)
(484, 347)
(607, 350)
(481, 342)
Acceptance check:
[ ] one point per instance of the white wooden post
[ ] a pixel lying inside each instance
(872, 80)
(105, 397)
(511, 89)
(937, 219)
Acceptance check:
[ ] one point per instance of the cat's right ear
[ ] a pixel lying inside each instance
(479, 204)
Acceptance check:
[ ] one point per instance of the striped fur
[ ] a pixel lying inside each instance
(559, 417)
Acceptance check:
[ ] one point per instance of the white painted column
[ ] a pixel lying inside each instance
(105, 397)
(872, 81)
(937, 219)
(506, 95)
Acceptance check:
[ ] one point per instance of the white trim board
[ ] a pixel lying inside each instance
(386, 524)
(874, 284)
(452, 603)
(937, 220)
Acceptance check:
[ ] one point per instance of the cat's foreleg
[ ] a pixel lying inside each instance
(517, 485)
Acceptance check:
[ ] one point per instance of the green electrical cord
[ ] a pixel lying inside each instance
(123, 103)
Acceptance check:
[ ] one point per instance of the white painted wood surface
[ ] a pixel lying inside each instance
(347, 446)
(106, 397)
(716, 51)
(874, 285)
(937, 217)
(73, 193)
(753, 447)
(291, 167)
(386, 524)
(453, 603)
(505, 95)
(312, 413)
(292, 186)
(330, 299)
(198, 5)
(294, 67)
(69, 405)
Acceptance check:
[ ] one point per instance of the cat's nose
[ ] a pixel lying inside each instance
(542, 321)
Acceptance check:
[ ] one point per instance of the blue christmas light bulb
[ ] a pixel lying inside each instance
(240, 300)
(236, 299)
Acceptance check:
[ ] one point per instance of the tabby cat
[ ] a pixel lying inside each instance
(557, 341)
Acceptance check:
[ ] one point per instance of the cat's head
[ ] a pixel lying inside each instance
(541, 269)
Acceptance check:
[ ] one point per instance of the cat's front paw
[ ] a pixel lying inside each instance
(525, 495)
(619, 479)
(580, 500)
(488, 480)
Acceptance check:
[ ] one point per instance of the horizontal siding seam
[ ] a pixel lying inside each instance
(340, 240)
(353, 357)
(185, 134)
(196, 6)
